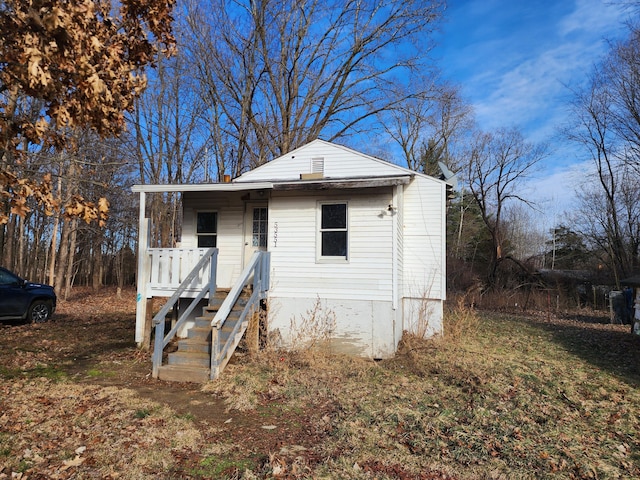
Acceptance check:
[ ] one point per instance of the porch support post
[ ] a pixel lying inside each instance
(142, 273)
(213, 269)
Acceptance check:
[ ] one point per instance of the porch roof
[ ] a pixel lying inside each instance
(342, 183)
(314, 184)
(201, 187)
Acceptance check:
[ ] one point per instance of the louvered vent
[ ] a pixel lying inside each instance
(317, 165)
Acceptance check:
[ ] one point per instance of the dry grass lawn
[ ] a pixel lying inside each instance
(500, 397)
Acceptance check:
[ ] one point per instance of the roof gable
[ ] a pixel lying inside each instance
(328, 159)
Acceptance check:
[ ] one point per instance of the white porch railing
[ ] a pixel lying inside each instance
(209, 262)
(168, 267)
(256, 273)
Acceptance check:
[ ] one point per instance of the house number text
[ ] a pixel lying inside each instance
(275, 234)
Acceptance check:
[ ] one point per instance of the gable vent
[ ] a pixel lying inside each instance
(317, 165)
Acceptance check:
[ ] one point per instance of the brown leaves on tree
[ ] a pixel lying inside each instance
(15, 192)
(82, 60)
(84, 63)
(87, 211)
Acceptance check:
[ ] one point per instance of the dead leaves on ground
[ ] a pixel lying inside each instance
(520, 398)
(62, 430)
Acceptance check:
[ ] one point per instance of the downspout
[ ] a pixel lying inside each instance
(142, 274)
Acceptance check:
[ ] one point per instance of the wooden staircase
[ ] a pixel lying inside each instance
(191, 362)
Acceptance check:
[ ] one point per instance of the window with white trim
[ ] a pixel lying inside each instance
(207, 229)
(333, 232)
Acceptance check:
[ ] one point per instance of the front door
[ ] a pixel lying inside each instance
(255, 229)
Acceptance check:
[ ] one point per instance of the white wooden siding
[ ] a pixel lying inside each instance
(293, 242)
(423, 239)
(339, 162)
(230, 210)
(399, 225)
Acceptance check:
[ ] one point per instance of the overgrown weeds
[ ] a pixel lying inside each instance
(497, 397)
(312, 331)
(460, 322)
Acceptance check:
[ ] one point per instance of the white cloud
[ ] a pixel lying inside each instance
(530, 92)
(554, 190)
(592, 16)
(514, 61)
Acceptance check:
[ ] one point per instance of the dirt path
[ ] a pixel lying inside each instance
(91, 341)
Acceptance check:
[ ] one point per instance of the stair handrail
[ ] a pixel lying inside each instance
(162, 340)
(259, 266)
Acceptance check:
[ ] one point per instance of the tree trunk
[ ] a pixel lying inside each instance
(63, 256)
(20, 264)
(71, 258)
(8, 258)
(97, 267)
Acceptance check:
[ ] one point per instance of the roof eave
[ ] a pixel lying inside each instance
(202, 187)
(315, 184)
(343, 183)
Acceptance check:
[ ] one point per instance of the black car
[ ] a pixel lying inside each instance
(23, 300)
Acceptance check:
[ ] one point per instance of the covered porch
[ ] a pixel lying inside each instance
(211, 295)
(161, 271)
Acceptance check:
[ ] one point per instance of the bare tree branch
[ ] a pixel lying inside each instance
(276, 74)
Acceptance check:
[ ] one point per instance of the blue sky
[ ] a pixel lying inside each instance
(514, 60)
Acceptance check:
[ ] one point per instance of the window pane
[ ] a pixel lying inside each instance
(206, 241)
(207, 222)
(334, 244)
(334, 216)
(259, 214)
(259, 240)
(259, 227)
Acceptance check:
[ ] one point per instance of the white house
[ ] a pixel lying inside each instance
(356, 244)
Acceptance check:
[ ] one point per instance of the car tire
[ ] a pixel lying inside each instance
(39, 311)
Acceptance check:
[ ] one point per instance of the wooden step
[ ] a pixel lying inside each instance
(194, 359)
(199, 333)
(181, 373)
(214, 306)
(203, 322)
(192, 345)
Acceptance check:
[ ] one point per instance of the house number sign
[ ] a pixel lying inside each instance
(275, 234)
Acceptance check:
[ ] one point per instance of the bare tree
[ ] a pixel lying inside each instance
(527, 239)
(428, 125)
(611, 226)
(599, 130)
(499, 162)
(276, 74)
(169, 141)
(615, 87)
